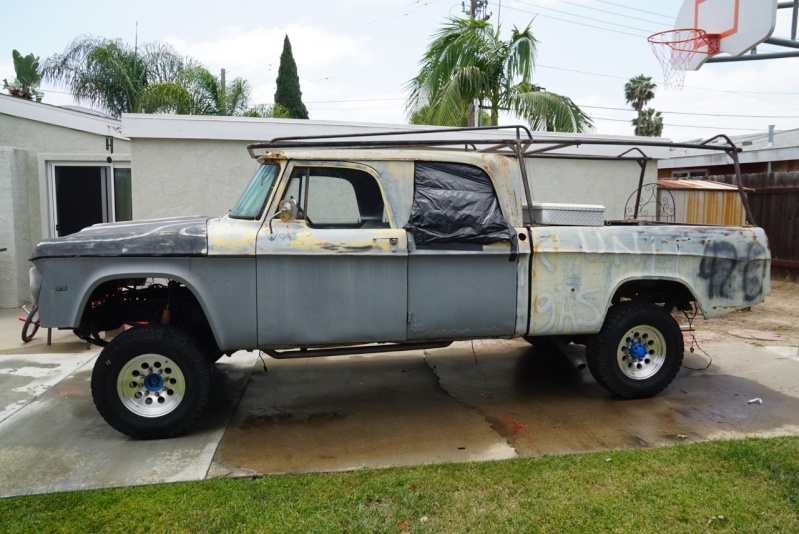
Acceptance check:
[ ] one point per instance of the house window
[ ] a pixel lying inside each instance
(694, 173)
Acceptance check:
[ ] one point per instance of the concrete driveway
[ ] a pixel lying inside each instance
(472, 401)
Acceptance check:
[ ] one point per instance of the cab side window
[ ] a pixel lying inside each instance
(337, 197)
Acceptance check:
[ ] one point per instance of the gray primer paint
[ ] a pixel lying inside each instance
(223, 286)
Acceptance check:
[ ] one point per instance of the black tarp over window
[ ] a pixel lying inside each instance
(456, 203)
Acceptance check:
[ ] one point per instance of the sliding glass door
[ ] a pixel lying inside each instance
(83, 194)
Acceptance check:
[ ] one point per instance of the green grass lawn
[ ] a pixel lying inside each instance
(747, 485)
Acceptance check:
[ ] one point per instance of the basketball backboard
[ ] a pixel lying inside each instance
(740, 25)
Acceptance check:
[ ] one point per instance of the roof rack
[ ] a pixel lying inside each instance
(515, 141)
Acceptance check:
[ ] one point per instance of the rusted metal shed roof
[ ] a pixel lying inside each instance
(699, 185)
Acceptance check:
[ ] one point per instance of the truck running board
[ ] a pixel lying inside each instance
(360, 349)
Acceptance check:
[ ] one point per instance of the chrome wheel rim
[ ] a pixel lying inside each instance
(151, 385)
(641, 352)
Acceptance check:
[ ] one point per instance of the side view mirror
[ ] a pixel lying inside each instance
(288, 210)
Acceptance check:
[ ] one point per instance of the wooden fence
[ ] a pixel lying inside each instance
(775, 206)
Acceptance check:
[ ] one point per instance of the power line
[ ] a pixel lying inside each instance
(358, 100)
(687, 86)
(392, 15)
(573, 22)
(384, 67)
(583, 6)
(523, 2)
(635, 9)
(704, 114)
(353, 109)
(722, 128)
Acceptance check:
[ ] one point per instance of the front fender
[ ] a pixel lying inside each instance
(224, 287)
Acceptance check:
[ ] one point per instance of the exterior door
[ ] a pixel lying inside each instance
(337, 273)
(463, 267)
(461, 292)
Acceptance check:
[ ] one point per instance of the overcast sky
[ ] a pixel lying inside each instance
(354, 57)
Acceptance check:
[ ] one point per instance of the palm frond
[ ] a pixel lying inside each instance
(549, 111)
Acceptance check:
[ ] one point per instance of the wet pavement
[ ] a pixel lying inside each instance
(327, 414)
(471, 401)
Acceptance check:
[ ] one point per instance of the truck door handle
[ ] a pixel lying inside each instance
(393, 241)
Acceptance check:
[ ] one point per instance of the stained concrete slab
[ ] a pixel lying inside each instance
(329, 414)
(24, 378)
(759, 335)
(542, 405)
(472, 401)
(790, 353)
(59, 442)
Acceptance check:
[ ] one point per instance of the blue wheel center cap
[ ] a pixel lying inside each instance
(638, 351)
(153, 382)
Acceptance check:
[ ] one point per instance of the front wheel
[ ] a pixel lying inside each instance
(151, 382)
(638, 352)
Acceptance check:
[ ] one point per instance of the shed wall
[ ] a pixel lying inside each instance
(708, 207)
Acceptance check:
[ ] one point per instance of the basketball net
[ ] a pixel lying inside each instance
(675, 49)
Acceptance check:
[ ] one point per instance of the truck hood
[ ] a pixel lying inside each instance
(173, 236)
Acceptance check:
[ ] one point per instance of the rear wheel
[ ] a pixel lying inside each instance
(31, 325)
(151, 382)
(638, 352)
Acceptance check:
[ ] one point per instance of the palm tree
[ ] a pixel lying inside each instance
(195, 91)
(424, 115)
(638, 92)
(649, 123)
(112, 76)
(467, 61)
(116, 78)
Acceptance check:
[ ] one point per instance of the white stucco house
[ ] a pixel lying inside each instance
(62, 169)
(57, 171)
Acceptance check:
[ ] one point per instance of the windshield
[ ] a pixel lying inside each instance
(251, 203)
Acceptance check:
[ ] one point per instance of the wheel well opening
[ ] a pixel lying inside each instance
(130, 302)
(666, 293)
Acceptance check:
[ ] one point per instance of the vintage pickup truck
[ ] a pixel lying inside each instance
(378, 244)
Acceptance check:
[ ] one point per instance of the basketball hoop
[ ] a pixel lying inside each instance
(676, 48)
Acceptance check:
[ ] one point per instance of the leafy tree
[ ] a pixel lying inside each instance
(28, 78)
(288, 92)
(466, 61)
(639, 91)
(265, 111)
(649, 123)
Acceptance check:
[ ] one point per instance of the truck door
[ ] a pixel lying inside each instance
(337, 273)
(462, 261)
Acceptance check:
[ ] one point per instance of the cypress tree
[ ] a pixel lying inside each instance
(288, 92)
